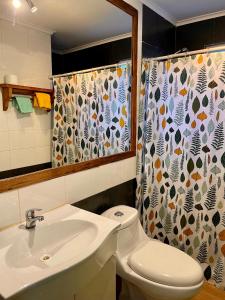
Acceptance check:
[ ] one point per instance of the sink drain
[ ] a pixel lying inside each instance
(45, 257)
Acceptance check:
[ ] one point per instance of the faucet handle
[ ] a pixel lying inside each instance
(30, 213)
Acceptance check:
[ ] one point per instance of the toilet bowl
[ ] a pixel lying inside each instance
(158, 271)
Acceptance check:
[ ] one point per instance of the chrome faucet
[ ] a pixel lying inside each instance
(31, 219)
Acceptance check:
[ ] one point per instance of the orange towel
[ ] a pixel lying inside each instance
(42, 100)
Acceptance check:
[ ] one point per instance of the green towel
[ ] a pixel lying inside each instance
(23, 104)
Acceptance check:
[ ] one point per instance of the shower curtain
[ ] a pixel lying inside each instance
(181, 157)
(91, 115)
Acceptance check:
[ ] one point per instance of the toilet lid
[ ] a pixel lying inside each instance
(166, 265)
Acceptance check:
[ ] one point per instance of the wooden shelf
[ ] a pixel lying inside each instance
(8, 90)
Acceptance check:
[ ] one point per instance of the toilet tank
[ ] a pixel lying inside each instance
(130, 233)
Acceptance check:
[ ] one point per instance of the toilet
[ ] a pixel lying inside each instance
(150, 269)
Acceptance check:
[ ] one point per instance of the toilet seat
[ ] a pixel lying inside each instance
(166, 265)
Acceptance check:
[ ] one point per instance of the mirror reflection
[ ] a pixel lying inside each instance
(65, 73)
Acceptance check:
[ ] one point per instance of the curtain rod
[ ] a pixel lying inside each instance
(188, 53)
(89, 70)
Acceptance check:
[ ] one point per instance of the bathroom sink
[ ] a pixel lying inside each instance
(51, 245)
(66, 238)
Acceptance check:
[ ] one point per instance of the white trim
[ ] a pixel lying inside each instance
(30, 26)
(93, 44)
(159, 11)
(201, 18)
(176, 22)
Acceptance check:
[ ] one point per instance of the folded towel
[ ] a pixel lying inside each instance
(23, 104)
(42, 100)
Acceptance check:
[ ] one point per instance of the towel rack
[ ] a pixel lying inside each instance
(9, 89)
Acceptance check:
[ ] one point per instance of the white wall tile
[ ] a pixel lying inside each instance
(5, 161)
(22, 157)
(47, 195)
(9, 209)
(3, 116)
(23, 138)
(1, 46)
(39, 41)
(42, 154)
(43, 137)
(42, 120)
(15, 47)
(38, 81)
(18, 121)
(69, 189)
(79, 187)
(4, 141)
(125, 171)
(26, 53)
(90, 182)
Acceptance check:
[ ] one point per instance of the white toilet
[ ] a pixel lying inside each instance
(151, 269)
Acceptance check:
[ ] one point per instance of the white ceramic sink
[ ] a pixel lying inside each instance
(67, 237)
(51, 245)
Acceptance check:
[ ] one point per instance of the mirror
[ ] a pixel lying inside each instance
(68, 85)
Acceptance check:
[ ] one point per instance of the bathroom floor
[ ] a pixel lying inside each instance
(209, 292)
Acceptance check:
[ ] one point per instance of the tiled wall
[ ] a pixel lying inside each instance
(122, 194)
(24, 139)
(69, 189)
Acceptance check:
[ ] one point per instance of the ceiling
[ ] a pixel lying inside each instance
(185, 9)
(75, 22)
(79, 22)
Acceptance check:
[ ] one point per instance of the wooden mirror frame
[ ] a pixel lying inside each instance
(48, 174)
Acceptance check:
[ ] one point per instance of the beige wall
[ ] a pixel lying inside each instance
(72, 188)
(24, 139)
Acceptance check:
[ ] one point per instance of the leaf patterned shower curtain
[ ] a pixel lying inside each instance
(91, 115)
(181, 157)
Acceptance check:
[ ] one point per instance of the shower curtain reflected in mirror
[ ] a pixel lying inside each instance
(91, 115)
(181, 157)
